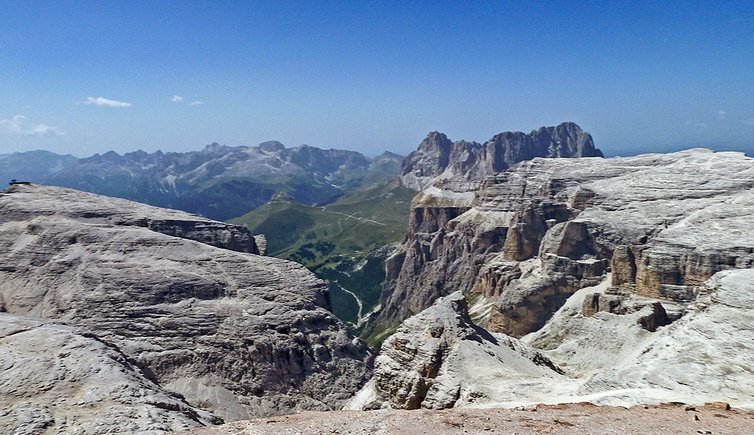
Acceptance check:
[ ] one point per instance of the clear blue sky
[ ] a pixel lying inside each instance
(89, 76)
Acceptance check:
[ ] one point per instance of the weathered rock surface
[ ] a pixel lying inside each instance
(36, 201)
(528, 238)
(431, 359)
(56, 379)
(633, 276)
(440, 358)
(439, 256)
(238, 334)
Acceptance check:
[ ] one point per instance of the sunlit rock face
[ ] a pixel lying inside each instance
(440, 256)
(619, 354)
(236, 333)
(58, 379)
(617, 281)
(528, 238)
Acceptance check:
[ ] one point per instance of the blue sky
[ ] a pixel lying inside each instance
(89, 76)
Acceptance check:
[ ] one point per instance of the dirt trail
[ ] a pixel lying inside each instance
(569, 419)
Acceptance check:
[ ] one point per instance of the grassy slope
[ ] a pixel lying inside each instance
(335, 241)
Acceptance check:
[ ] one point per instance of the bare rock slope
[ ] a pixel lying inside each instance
(440, 359)
(59, 379)
(237, 334)
(528, 238)
(632, 278)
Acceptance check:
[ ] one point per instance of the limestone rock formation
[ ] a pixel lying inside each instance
(56, 379)
(440, 358)
(237, 334)
(449, 174)
(36, 202)
(528, 238)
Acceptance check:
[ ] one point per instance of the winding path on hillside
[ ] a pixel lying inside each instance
(324, 209)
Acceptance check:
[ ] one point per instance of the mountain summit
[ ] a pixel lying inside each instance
(439, 158)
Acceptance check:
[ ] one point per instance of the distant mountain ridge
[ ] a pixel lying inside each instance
(219, 181)
(438, 158)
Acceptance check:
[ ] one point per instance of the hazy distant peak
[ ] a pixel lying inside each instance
(215, 147)
(388, 155)
(271, 146)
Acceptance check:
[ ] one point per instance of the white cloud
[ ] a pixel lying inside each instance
(177, 99)
(105, 102)
(20, 125)
(721, 114)
(196, 103)
(749, 122)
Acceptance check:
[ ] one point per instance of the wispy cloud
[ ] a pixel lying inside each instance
(105, 102)
(180, 100)
(749, 122)
(20, 125)
(721, 114)
(697, 124)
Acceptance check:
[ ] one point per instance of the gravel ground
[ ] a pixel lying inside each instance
(541, 419)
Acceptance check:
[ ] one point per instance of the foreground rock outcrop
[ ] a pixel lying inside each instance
(237, 334)
(440, 358)
(59, 379)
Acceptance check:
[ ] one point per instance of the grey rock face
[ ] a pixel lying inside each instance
(36, 202)
(238, 334)
(530, 237)
(56, 379)
(602, 346)
(430, 359)
(449, 174)
(439, 158)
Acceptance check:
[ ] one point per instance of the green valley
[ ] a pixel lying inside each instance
(345, 243)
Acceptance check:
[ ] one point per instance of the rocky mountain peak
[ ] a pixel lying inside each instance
(388, 155)
(437, 142)
(439, 158)
(215, 148)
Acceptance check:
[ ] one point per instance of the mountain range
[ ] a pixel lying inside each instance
(551, 280)
(219, 182)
